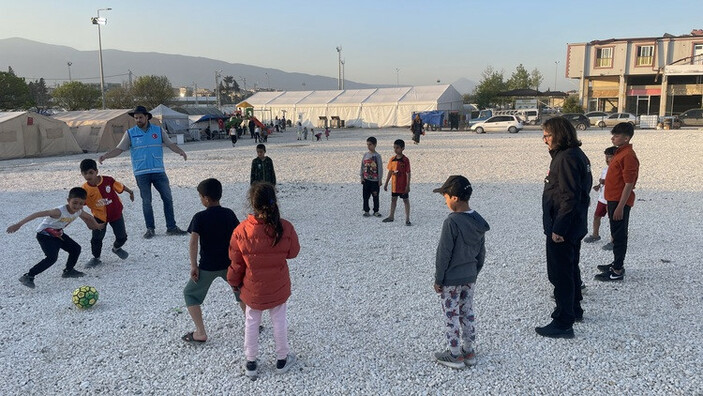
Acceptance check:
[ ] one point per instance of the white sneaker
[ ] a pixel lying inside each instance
(283, 365)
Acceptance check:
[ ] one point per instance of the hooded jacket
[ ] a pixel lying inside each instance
(461, 250)
(259, 269)
(566, 197)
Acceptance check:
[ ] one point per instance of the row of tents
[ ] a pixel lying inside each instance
(29, 134)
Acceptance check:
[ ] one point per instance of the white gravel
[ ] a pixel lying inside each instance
(363, 316)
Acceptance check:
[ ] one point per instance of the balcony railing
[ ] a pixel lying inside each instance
(604, 62)
(645, 60)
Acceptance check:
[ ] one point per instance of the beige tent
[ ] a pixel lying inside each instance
(27, 134)
(99, 130)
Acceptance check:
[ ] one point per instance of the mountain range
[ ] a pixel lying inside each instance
(33, 60)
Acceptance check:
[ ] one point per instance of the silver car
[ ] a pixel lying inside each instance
(499, 123)
(617, 118)
(595, 117)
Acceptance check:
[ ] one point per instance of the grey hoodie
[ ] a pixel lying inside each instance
(461, 250)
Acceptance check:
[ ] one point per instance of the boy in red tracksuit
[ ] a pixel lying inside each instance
(106, 207)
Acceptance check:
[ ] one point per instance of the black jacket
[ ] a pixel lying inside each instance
(566, 194)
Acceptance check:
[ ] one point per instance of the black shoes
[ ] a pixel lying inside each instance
(552, 331)
(72, 273)
(27, 280)
(610, 275)
(149, 233)
(121, 253)
(94, 262)
(176, 231)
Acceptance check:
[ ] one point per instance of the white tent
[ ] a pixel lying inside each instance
(99, 130)
(175, 122)
(27, 134)
(367, 108)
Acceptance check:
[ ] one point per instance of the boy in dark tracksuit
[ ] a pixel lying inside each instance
(262, 167)
(565, 203)
(371, 175)
(460, 256)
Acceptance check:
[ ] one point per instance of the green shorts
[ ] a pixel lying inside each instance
(195, 293)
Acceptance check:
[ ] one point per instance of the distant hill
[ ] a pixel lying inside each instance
(32, 60)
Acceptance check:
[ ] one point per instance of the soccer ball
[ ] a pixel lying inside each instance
(85, 297)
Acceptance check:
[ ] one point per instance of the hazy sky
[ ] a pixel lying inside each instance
(426, 40)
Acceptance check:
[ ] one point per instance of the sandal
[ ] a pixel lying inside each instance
(188, 337)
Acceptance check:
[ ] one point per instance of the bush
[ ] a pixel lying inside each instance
(571, 105)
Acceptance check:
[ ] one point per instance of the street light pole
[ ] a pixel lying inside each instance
(69, 71)
(268, 82)
(556, 70)
(217, 88)
(339, 67)
(101, 21)
(342, 61)
(397, 77)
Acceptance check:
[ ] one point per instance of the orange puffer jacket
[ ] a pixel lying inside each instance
(259, 269)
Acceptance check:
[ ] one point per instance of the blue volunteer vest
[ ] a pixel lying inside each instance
(146, 150)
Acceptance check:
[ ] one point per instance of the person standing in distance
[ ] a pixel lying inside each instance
(565, 220)
(145, 143)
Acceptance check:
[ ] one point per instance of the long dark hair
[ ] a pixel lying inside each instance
(262, 198)
(563, 133)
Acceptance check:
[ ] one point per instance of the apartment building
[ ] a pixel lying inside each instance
(649, 75)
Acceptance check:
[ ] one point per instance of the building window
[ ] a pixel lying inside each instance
(645, 55)
(698, 54)
(604, 57)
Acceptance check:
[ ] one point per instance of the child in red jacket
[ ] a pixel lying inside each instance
(258, 250)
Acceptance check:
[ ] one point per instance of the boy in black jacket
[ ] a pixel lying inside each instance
(460, 256)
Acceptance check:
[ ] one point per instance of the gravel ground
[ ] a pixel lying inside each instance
(363, 316)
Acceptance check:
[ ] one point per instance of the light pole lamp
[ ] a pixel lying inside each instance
(339, 67)
(69, 71)
(101, 21)
(556, 71)
(342, 62)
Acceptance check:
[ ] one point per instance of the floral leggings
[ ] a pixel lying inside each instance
(457, 303)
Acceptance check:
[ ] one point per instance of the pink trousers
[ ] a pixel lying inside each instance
(280, 331)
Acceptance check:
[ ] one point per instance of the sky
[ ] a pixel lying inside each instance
(425, 40)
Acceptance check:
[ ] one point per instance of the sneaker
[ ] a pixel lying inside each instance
(446, 358)
(408, 223)
(176, 231)
(610, 276)
(27, 280)
(605, 267)
(387, 220)
(469, 357)
(608, 246)
(366, 214)
(283, 365)
(149, 233)
(376, 214)
(552, 331)
(72, 273)
(121, 253)
(250, 369)
(591, 239)
(94, 262)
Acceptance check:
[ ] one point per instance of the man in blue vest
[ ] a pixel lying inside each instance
(145, 143)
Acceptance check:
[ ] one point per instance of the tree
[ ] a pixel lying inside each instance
(488, 88)
(535, 79)
(39, 93)
(572, 105)
(76, 95)
(119, 98)
(151, 91)
(14, 92)
(520, 79)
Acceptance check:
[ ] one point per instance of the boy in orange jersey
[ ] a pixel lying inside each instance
(106, 208)
(399, 171)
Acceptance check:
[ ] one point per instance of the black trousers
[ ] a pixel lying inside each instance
(118, 227)
(564, 273)
(618, 230)
(371, 189)
(50, 246)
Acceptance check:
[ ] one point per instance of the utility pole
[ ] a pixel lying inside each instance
(69, 71)
(339, 67)
(101, 21)
(130, 78)
(397, 77)
(342, 73)
(217, 88)
(195, 92)
(556, 70)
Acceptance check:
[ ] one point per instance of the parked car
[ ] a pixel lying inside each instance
(617, 118)
(482, 115)
(579, 121)
(499, 123)
(596, 116)
(693, 117)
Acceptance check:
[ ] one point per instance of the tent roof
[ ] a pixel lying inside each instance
(200, 111)
(290, 97)
(319, 97)
(4, 116)
(353, 96)
(162, 110)
(432, 93)
(388, 95)
(243, 104)
(91, 115)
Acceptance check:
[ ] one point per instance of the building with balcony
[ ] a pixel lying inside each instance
(649, 75)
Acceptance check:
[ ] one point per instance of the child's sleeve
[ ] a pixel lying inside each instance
(235, 272)
(444, 251)
(294, 244)
(117, 186)
(273, 172)
(379, 166)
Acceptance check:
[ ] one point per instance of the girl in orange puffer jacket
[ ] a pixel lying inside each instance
(258, 250)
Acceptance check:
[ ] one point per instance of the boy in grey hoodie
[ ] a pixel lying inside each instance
(460, 256)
